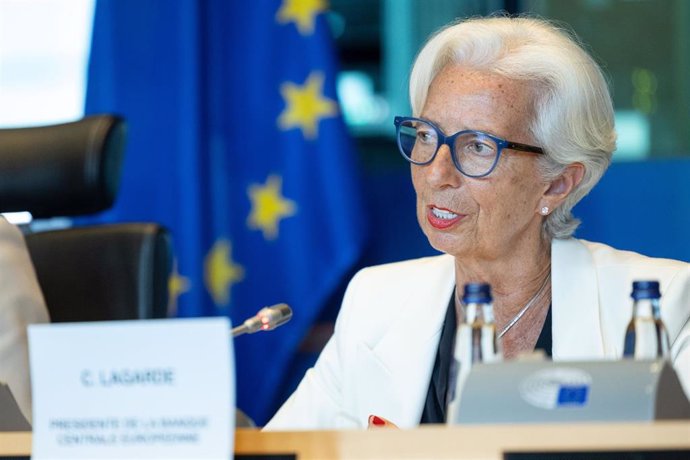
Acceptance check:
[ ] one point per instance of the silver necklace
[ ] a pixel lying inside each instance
(519, 315)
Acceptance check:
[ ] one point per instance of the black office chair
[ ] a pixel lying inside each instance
(94, 273)
(100, 272)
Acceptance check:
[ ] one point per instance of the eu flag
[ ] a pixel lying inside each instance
(237, 145)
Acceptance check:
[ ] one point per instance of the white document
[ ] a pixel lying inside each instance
(133, 389)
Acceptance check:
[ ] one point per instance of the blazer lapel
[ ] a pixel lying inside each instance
(395, 373)
(577, 331)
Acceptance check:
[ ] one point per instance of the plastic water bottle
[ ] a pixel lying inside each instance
(646, 336)
(476, 341)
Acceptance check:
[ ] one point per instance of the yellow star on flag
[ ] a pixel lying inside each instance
(221, 272)
(302, 12)
(305, 105)
(269, 206)
(177, 285)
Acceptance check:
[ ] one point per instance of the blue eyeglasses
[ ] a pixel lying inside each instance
(474, 153)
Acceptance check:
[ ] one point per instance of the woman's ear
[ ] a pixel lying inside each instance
(560, 187)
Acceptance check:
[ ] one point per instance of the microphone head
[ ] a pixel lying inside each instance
(268, 318)
(274, 316)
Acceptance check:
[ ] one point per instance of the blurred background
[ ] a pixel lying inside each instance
(261, 135)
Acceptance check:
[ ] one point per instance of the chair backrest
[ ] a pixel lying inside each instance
(69, 169)
(89, 273)
(106, 272)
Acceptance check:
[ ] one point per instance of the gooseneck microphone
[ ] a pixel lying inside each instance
(266, 319)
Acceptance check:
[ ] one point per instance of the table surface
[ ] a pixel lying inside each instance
(440, 441)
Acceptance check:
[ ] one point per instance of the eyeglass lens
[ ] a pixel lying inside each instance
(475, 153)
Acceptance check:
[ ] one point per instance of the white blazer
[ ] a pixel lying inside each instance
(381, 355)
(21, 304)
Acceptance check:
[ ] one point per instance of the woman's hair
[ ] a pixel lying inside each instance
(573, 119)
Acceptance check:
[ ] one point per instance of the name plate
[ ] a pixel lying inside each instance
(133, 389)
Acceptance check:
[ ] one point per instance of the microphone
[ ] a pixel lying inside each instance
(268, 318)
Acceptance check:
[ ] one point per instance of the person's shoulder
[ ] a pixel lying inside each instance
(427, 265)
(606, 255)
(5, 226)
(403, 291)
(399, 280)
(9, 230)
(11, 238)
(626, 266)
(615, 270)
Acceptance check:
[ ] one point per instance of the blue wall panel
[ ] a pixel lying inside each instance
(641, 206)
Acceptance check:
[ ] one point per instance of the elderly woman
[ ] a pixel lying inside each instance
(512, 126)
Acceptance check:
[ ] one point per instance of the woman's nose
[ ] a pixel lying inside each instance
(442, 171)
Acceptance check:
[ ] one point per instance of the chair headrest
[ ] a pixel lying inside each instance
(68, 169)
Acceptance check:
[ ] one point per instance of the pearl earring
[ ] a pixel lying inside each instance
(544, 210)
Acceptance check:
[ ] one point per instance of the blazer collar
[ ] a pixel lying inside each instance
(576, 330)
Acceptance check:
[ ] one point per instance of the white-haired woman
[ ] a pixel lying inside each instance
(512, 125)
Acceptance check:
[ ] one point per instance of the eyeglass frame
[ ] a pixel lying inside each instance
(444, 139)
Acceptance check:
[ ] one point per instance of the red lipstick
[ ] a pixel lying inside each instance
(442, 218)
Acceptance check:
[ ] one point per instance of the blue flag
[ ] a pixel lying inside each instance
(237, 145)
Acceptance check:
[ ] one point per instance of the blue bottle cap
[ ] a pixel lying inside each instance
(477, 293)
(645, 290)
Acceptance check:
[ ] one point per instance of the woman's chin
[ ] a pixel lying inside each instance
(446, 243)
